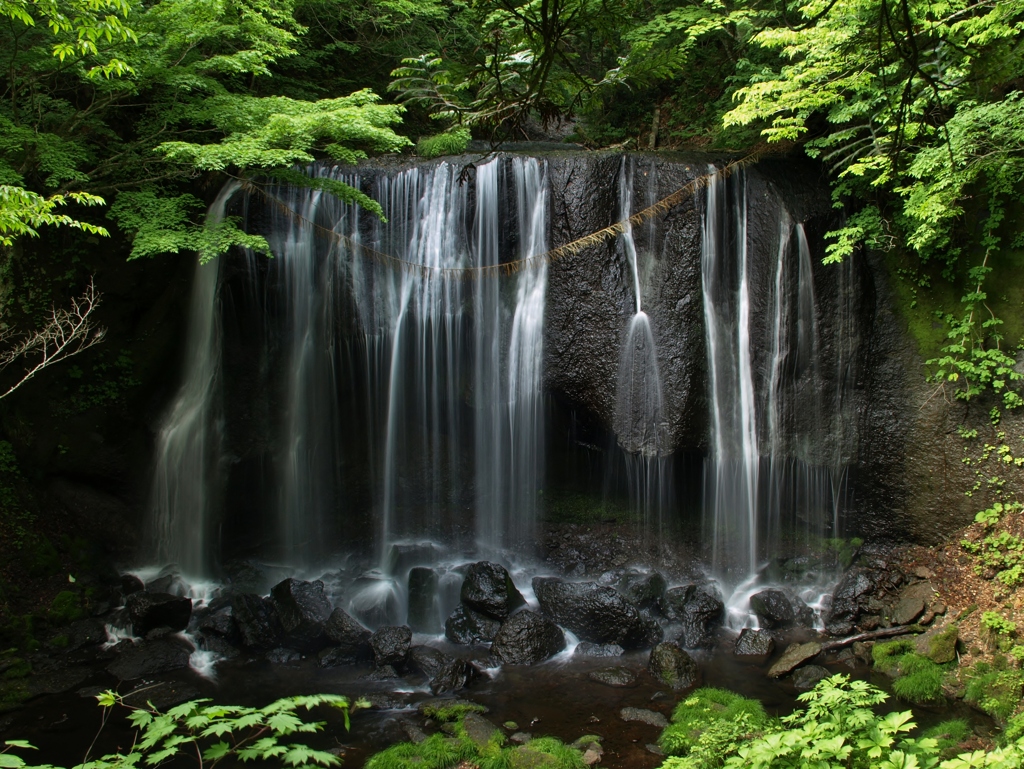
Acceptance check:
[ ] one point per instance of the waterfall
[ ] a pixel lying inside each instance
(451, 334)
(774, 480)
(732, 477)
(185, 484)
(639, 404)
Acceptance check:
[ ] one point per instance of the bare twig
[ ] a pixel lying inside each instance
(67, 332)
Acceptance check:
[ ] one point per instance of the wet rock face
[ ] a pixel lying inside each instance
(149, 611)
(303, 609)
(446, 673)
(151, 658)
(466, 626)
(526, 638)
(488, 589)
(673, 666)
(391, 645)
(257, 621)
(699, 611)
(350, 640)
(773, 608)
(754, 643)
(593, 612)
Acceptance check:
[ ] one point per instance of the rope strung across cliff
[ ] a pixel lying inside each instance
(509, 268)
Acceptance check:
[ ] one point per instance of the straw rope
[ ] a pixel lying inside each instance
(509, 268)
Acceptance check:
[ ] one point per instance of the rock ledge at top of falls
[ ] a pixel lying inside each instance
(595, 613)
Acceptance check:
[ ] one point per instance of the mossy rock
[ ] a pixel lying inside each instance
(938, 644)
(12, 694)
(66, 608)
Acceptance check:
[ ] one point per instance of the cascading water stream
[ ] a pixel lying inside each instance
(185, 484)
(773, 482)
(732, 476)
(639, 402)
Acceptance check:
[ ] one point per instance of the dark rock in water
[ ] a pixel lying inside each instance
(643, 590)
(446, 673)
(351, 640)
(257, 621)
(794, 656)
(303, 609)
(588, 649)
(773, 608)
(152, 610)
(700, 613)
(593, 612)
(150, 658)
(673, 666)
(391, 645)
(423, 600)
(526, 638)
(644, 716)
(466, 626)
(754, 643)
(806, 678)
(131, 584)
(383, 673)
(283, 655)
(57, 681)
(488, 589)
(211, 642)
(86, 632)
(335, 656)
(428, 660)
(453, 676)
(414, 733)
(613, 676)
(849, 601)
(221, 623)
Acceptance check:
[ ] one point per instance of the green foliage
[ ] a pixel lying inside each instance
(917, 678)
(448, 713)
(66, 607)
(948, 736)
(994, 688)
(441, 751)
(217, 733)
(451, 142)
(704, 708)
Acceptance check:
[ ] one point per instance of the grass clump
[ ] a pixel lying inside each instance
(996, 689)
(443, 751)
(436, 752)
(451, 142)
(948, 736)
(707, 708)
(449, 713)
(917, 678)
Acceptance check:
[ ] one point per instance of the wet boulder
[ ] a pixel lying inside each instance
(488, 589)
(391, 646)
(303, 609)
(849, 601)
(257, 621)
(149, 611)
(699, 611)
(131, 584)
(794, 656)
(645, 590)
(617, 677)
(423, 600)
(806, 678)
(151, 658)
(350, 641)
(593, 612)
(220, 623)
(587, 649)
(672, 666)
(466, 626)
(526, 638)
(773, 608)
(754, 643)
(446, 673)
